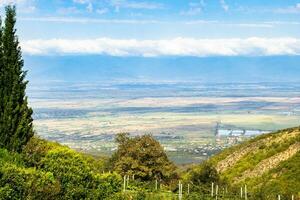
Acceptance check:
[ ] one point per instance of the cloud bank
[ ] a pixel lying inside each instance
(172, 47)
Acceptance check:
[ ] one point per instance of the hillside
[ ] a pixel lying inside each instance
(48, 170)
(269, 164)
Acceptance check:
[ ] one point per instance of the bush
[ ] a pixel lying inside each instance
(78, 179)
(10, 157)
(71, 170)
(105, 185)
(205, 174)
(36, 149)
(141, 195)
(6, 192)
(21, 183)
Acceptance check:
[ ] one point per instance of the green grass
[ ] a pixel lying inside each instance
(282, 179)
(253, 158)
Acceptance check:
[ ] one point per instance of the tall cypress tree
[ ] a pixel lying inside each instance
(1, 86)
(15, 117)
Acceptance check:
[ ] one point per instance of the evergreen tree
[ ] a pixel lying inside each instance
(15, 117)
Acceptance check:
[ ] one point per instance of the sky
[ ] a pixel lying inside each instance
(157, 29)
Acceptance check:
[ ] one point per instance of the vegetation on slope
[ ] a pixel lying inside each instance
(142, 157)
(268, 165)
(47, 170)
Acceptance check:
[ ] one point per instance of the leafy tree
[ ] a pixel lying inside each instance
(15, 115)
(206, 174)
(143, 157)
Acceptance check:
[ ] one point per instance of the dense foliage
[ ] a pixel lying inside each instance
(205, 174)
(143, 157)
(52, 171)
(49, 170)
(15, 115)
(281, 179)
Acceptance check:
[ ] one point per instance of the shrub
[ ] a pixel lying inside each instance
(36, 149)
(21, 183)
(206, 174)
(71, 170)
(105, 185)
(10, 157)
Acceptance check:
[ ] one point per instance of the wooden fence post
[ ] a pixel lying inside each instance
(124, 184)
(241, 192)
(180, 190)
(127, 180)
(246, 197)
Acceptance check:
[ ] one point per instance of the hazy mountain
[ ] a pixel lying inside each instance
(209, 69)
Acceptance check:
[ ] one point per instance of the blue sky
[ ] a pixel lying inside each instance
(150, 35)
(159, 27)
(158, 19)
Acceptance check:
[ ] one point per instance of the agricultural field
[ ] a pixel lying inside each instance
(184, 117)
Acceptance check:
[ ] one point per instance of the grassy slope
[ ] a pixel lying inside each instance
(282, 177)
(47, 168)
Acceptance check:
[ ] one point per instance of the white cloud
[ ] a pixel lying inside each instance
(102, 11)
(289, 10)
(246, 25)
(88, 3)
(68, 10)
(23, 6)
(283, 22)
(224, 5)
(7, 2)
(28, 9)
(90, 7)
(173, 47)
(263, 24)
(195, 8)
(89, 20)
(136, 5)
(192, 11)
(251, 25)
(81, 1)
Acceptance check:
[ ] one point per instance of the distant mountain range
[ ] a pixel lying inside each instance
(208, 69)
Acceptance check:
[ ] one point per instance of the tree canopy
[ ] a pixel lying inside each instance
(143, 157)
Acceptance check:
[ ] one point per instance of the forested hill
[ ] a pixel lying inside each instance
(268, 164)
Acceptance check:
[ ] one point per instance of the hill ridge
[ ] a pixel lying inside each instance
(252, 147)
(270, 163)
(267, 164)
